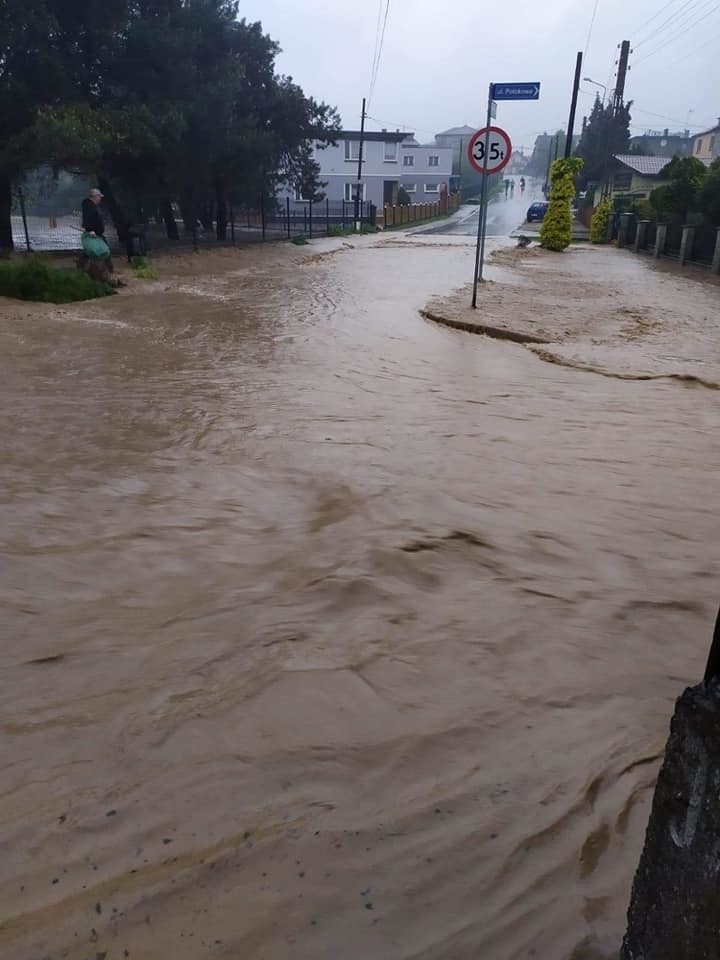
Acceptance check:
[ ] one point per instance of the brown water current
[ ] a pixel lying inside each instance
(329, 633)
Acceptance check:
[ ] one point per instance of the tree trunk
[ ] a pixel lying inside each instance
(221, 217)
(187, 209)
(117, 215)
(6, 239)
(168, 215)
(206, 216)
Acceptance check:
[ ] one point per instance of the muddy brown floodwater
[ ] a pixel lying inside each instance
(332, 633)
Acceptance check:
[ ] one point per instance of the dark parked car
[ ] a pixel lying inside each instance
(537, 210)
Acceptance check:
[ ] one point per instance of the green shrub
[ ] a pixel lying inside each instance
(643, 209)
(143, 270)
(556, 229)
(34, 279)
(599, 222)
(299, 240)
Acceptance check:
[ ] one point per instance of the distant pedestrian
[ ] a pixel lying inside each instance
(507, 188)
(522, 184)
(512, 188)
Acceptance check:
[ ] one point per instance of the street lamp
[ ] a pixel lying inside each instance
(596, 84)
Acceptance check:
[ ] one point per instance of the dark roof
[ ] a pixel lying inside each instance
(704, 133)
(457, 132)
(385, 135)
(646, 166)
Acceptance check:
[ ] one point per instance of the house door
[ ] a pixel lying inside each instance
(390, 192)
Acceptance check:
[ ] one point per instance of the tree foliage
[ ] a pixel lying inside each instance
(709, 194)
(174, 99)
(599, 222)
(676, 199)
(605, 134)
(556, 230)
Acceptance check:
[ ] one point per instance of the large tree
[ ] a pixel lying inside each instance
(162, 100)
(606, 133)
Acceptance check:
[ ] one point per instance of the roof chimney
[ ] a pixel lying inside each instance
(384, 130)
(665, 131)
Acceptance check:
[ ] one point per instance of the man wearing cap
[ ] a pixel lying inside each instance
(92, 220)
(94, 244)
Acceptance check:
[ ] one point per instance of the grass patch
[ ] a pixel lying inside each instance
(144, 270)
(33, 279)
(338, 231)
(299, 241)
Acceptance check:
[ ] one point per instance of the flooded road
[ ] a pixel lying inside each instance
(329, 632)
(505, 213)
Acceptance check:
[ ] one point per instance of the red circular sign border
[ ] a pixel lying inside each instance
(473, 162)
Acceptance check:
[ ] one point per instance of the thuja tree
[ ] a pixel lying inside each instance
(599, 222)
(556, 230)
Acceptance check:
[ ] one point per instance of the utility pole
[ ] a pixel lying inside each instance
(573, 106)
(549, 164)
(621, 75)
(617, 106)
(358, 189)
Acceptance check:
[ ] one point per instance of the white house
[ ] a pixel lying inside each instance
(390, 160)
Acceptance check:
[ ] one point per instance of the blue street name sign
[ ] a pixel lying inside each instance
(516, 91)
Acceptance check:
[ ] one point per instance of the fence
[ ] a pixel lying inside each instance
(159, 224)
(689, 243)
(396, 215)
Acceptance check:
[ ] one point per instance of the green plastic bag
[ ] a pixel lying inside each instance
(95, 247)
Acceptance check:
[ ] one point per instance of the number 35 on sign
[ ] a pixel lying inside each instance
(499, 150)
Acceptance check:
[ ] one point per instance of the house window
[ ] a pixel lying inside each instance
(698, 146)
(712, 144)
(391, 151)
(351, 190)
(352, 149)
(433, 160)
(431, 188)
(408, 160)
(409, 187)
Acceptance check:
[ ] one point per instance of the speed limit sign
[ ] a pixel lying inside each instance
(499, 150)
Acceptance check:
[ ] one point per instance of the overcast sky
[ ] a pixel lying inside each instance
(438, 58)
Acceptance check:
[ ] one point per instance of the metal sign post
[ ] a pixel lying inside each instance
(499, 154)
(480, 245)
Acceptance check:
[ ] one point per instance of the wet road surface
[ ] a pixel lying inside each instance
(329, 632)
(505, 214)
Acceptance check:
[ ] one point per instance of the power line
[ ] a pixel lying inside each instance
(646, 23)
(377, 41)
(380, 49)
(693, 50)
(677, 35)
(699, 7)
(590, 28)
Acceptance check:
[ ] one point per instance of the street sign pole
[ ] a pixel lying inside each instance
(482, 213)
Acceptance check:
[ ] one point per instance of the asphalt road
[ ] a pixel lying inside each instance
(504, 215)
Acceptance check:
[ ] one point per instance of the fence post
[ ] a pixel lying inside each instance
(686, 243)
(287, 215)
(660, 240)
(232, 224)
(327, 216)
(716, 255)
(311, 215)
(343, 214)
(623, 229)
(641, 236)
(262, 214)
(21, 197)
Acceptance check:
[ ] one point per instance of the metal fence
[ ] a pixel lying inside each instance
(158, 227)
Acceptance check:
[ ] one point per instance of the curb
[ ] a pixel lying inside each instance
(497, 333)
